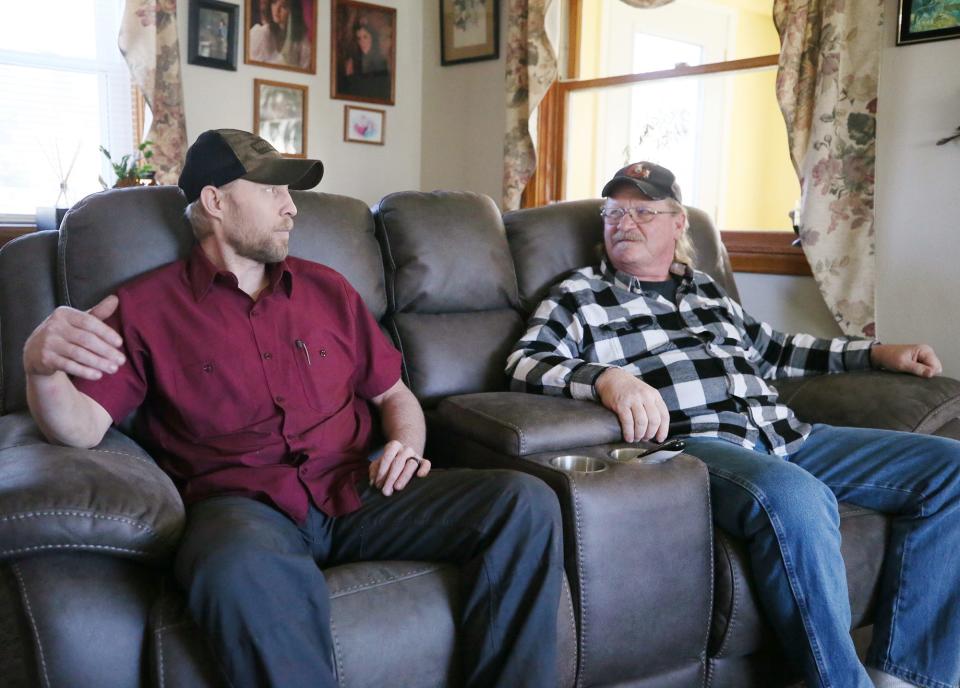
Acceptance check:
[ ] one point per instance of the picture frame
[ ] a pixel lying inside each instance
(364, 125)
(469, 31)
(280, 116)
(212, 34)
(281, 34)
(363, 52)
(921, 21)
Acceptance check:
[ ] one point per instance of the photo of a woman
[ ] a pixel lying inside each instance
(363, 52)
(282, 34)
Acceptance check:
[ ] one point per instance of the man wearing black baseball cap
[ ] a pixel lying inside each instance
(258, 378)
(663, 347)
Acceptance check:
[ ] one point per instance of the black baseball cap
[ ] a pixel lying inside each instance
(653, 180)
(219, 156)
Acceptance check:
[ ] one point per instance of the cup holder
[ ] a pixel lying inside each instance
(577, 463)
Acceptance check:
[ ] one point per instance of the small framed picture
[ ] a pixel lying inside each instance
(363, 52)
(212, 34)
(469, 31)
(364, 125)
(282, 34)
(928, 20)
(280, 116)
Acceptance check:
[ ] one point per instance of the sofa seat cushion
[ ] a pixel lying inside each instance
(111, 499)
(739, 628)
(393, 622)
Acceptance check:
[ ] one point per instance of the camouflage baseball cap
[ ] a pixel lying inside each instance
(219, 156)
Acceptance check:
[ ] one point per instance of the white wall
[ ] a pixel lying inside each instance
(918, 195)
(788, 302)
(216, 98)
(464, 116)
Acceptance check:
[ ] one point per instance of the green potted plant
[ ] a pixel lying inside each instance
(133, 167)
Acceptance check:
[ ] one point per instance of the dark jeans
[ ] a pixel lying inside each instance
(254, 582)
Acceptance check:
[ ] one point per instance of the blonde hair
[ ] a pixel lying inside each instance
(684, 251)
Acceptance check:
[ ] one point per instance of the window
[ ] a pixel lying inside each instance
(690, 85)
(66, 91)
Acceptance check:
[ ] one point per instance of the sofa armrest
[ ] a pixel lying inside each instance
(874, 399)
(112, 499)
(520, 424)
(638, 537)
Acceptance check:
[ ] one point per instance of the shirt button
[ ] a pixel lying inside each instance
(302, 470)
(254, 313)
(207, 367)
(323, 352)
(279, 399)
(290, 437)
(267, 355)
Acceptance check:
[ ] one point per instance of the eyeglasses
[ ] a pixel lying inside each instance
(613, 216)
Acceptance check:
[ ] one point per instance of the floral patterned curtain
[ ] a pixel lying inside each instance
(827, 88)
(148, 41)
(531, 69)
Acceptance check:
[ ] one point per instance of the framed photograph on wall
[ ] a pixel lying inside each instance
(928, 20)
(212, 34)
(364, 125)
(363, 52)
(280, 116)
(281, 34)
(469, 31)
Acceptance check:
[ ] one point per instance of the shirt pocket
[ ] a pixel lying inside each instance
(623, 339)
(325, 367)
(221, 395)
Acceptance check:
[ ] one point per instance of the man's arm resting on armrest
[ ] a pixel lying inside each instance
(71, 342)
(406, 434)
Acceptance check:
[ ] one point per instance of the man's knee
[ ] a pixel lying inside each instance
(525, 501)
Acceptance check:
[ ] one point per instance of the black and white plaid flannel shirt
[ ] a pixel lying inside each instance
(709, 359)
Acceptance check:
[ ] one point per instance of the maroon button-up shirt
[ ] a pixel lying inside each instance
(264, 398)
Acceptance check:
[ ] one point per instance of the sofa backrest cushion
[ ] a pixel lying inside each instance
(110, 237)
(550, 241)
(451, 288)
(28, 294)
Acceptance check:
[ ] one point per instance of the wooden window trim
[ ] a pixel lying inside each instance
(11, 232)
(770, 253)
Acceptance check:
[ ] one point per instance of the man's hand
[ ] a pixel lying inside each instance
(395, 467)
(75, 342)
(640, 408)
(917, 359)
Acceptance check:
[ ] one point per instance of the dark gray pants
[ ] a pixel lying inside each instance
(254, 583)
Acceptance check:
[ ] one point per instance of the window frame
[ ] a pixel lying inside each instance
(758, 252)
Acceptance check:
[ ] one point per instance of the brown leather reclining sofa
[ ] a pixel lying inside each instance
(656, 597)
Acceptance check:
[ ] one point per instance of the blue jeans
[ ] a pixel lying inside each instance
(786, 511)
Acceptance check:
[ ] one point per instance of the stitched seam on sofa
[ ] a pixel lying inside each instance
(735, 586)
(709, 562)
(33, 621)
(582, 645)
(942, 409)
(61, 275)
(99, 451)
(158, 636)
(42, 548)
(517, 430)
(2, 405)
(573, 623)
(87, 514)
(392, 287)
(398, 578)
(337, 654)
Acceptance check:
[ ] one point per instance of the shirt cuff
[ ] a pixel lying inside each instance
(583, 380)
(856, 354)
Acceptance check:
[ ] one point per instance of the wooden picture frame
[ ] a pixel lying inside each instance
(363, 52)
(364, 125)
(212, 34)
(469, 31)
(280, 115)
(281, 34)
(921, 21)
